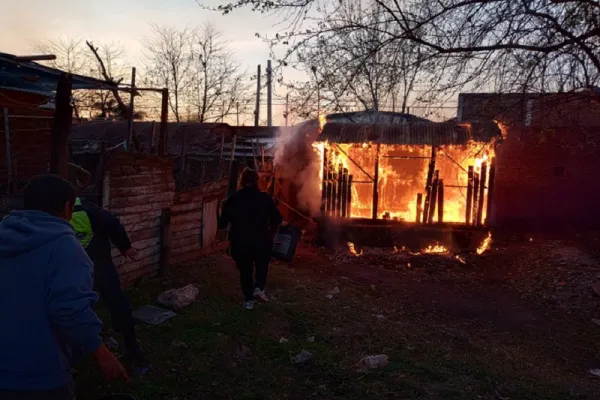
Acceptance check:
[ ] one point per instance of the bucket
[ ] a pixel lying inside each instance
(285, 243)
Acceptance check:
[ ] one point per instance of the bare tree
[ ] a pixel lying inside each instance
(218, 84)
(170, 56)
(509, 45)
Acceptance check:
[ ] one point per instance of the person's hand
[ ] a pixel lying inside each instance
(111, 367)
(130, 254)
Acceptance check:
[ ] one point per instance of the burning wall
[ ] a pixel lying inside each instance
(402, 172)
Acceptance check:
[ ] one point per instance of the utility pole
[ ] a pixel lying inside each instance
(130, 116)
(257, 109)
(237, 113)
(287, 104)
(269, 94)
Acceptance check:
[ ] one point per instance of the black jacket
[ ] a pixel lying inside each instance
(107, 228)
(253, 217)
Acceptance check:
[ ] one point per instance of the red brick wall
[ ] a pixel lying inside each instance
(548, 179)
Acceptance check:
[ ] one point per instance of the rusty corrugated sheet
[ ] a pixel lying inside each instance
(427, 133)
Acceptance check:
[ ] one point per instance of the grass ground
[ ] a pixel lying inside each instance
(448, 336)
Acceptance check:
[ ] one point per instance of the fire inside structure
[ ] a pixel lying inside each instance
(421, 172)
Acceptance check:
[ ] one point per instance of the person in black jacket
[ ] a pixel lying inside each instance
(254, 219)
(96, 228)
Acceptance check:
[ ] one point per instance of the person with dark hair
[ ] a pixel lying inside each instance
(254, 219)
(96, 228)
(46, 298)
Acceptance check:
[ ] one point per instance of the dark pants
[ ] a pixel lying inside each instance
(62, 393)
(254, 268)
(108, 285)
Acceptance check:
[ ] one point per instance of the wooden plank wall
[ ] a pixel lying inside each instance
(141, 186)
(187, 221)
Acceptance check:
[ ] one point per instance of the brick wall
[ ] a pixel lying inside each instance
(548, 179)
(140, 187)
(191, 219)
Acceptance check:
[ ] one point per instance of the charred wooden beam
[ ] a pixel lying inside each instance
(324, 183)
(490, 192)
(329, 189)
(419, 207)
(344, 203)
(334, 192)
(376, 183)
(476, 183)
(433, 198)
(440, 201)
(428, 184)
(340, 191)
(349, 197)
(469, 195)
(482, 182)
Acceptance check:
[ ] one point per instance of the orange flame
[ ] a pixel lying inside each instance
(322, 122)
(437, 249)
(486, 244)
(353, 250)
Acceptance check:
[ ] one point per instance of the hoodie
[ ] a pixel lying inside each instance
(46, 301)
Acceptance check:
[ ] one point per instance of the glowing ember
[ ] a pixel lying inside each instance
(353, 250)
(487, 242)
(437, 249)
(460, 259)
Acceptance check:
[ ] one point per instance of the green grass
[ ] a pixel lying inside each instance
(194, 354)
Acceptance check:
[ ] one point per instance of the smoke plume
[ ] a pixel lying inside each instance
(299, 162)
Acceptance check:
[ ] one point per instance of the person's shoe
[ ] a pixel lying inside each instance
(249, 305)
(259, 294)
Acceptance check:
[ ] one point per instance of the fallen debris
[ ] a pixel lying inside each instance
(153, 315)
(176, 299)
(373, 362)
(329, 296)
(595, 372)
(302, 357)
(335, 290)
(310, 339)
(283, 340)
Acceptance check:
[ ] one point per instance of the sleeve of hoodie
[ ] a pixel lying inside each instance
(71, 297)
(111, 225)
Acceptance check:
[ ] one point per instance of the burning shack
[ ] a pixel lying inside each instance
(422, 173)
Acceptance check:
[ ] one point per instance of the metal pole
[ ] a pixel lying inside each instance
(287, 107)
(9, 171)
(269, 94)
(257, 108)
(130, 112)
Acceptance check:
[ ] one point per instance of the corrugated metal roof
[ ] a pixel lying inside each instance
(427, 133)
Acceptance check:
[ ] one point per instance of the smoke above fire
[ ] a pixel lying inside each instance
(297, 161)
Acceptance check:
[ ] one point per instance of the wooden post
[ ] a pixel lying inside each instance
(165, 240)
(344, 204)
(468, 212)
(340, 194)
(164, 127)
(328, 206)
(428, 184)
(440, 201)
(63, 120)
(490, 193)
(475, 197)
(232, 179)
(153, 140)
(8, 152)
(433, 198)
(376, 183)
(334, 192)
(349, 197)
(130, 112)
(324, 183)
(269, 95)
(419, 207)
(482, 182)
(257, 109)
